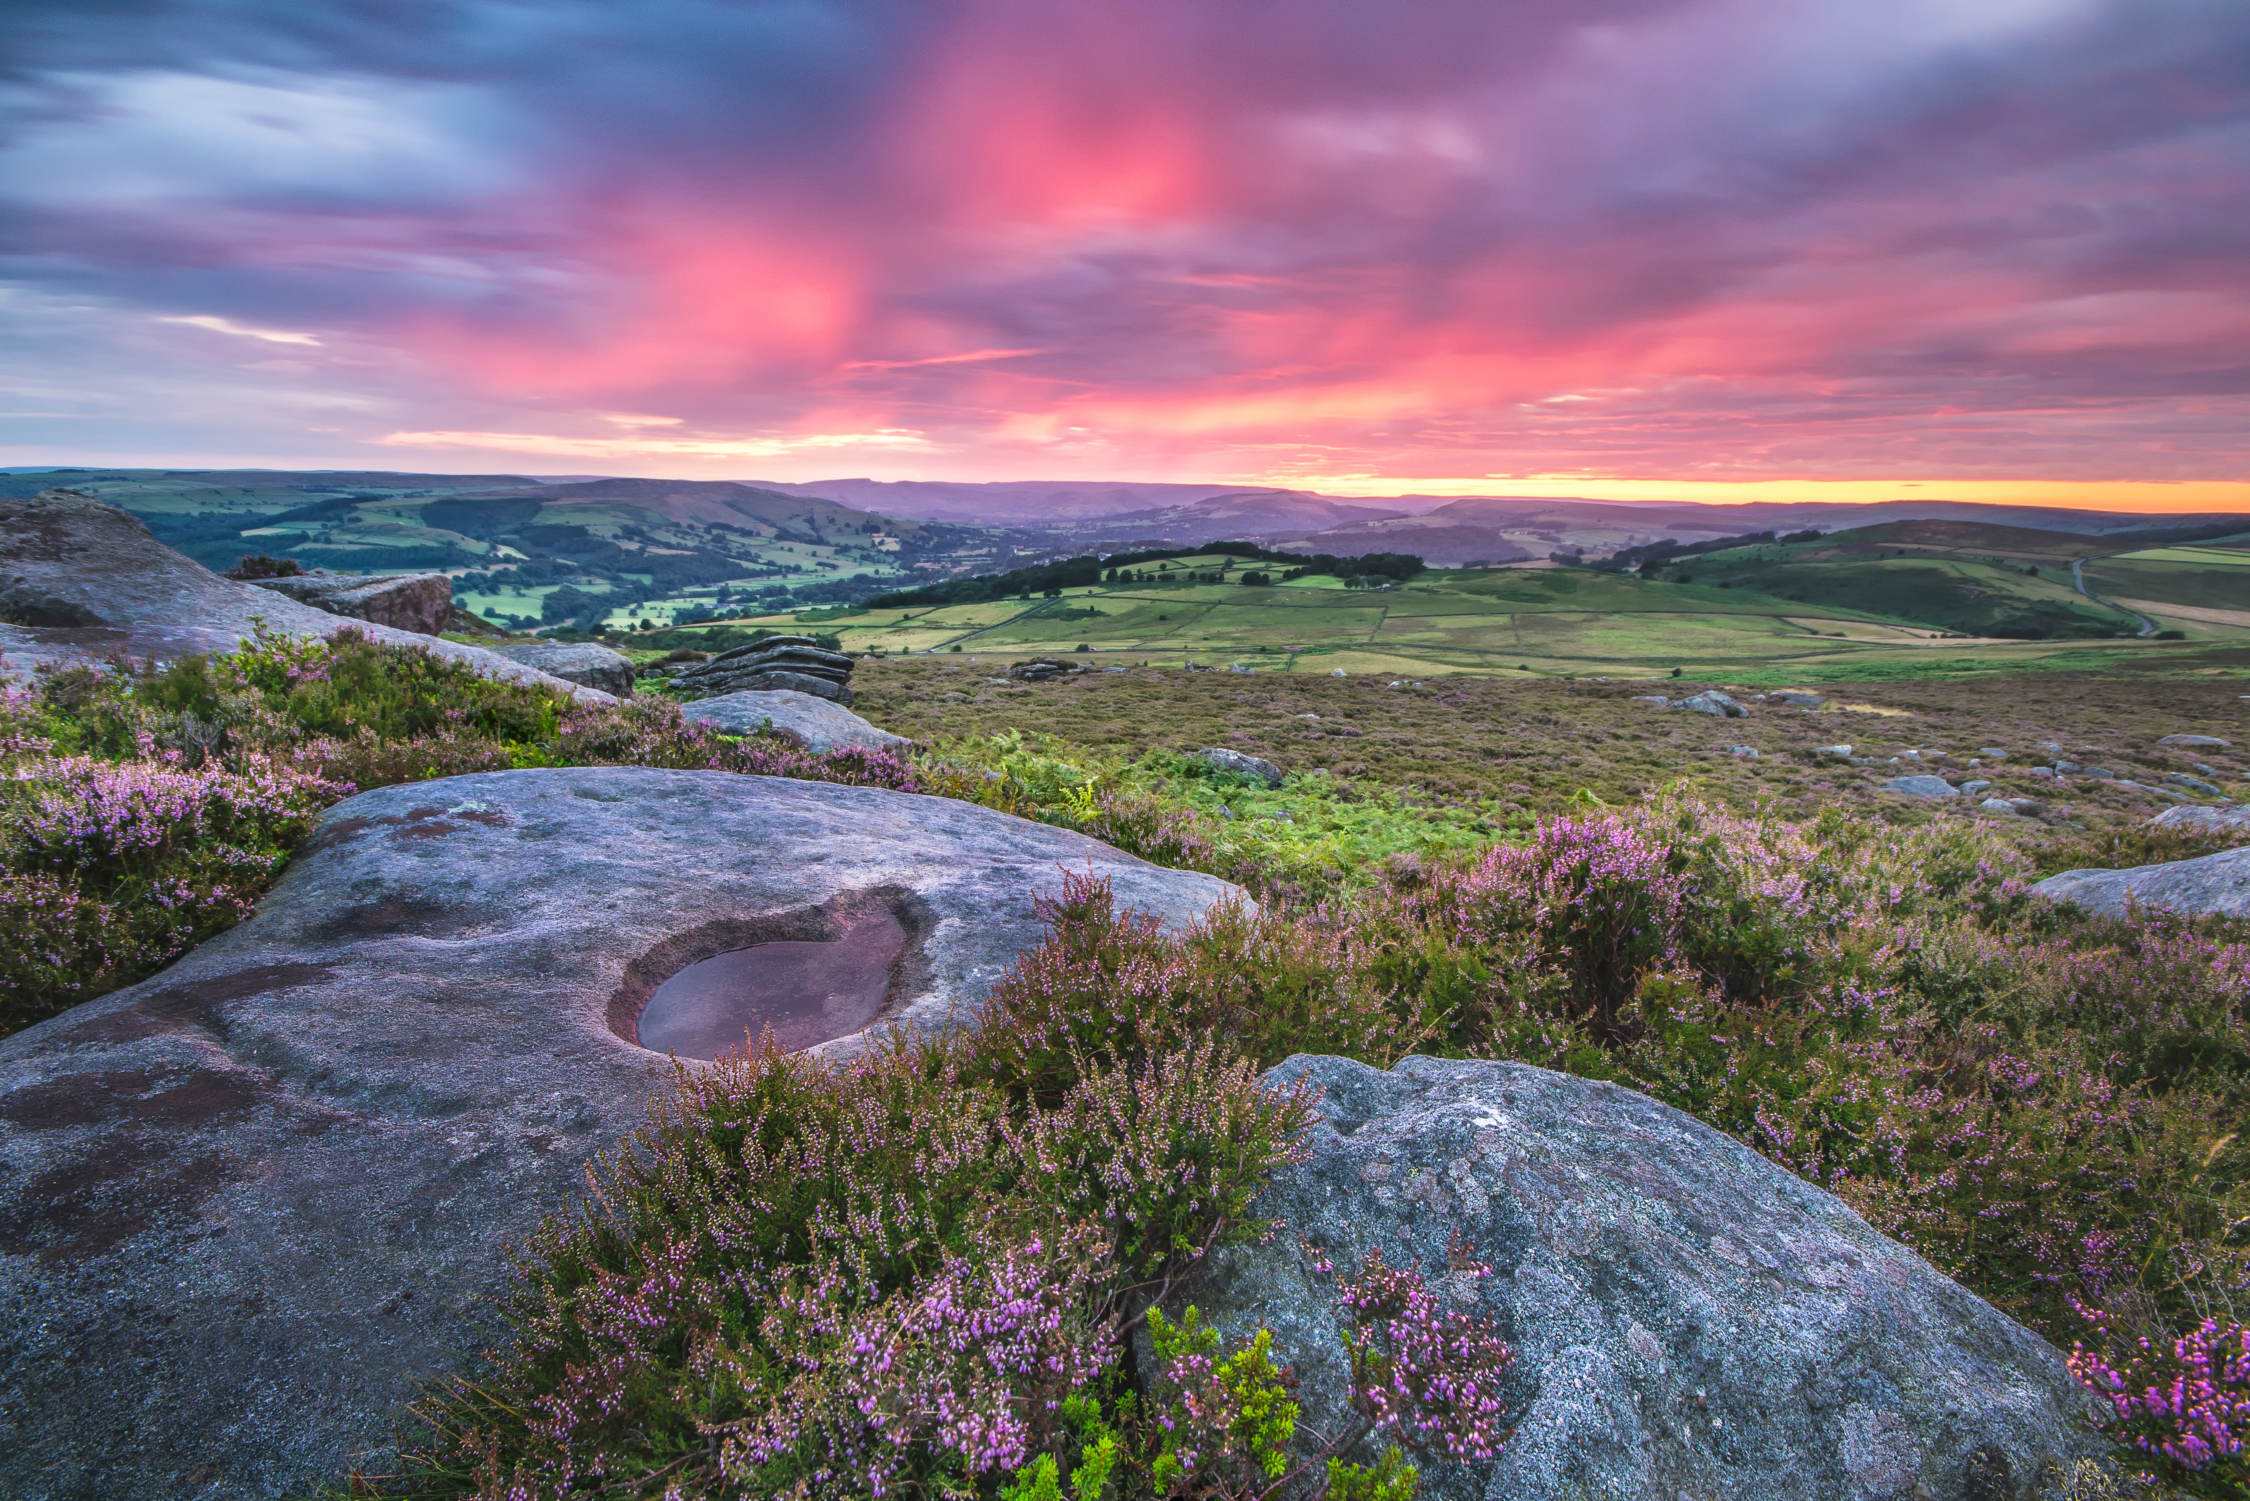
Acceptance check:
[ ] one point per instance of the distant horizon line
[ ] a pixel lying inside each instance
(2118, 497)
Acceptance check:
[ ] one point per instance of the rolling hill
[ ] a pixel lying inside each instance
(1531, 619)
(1498, 529)
(527, 552)
(1967, 577)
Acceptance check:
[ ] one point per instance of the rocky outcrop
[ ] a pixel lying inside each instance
(2195, 742)
(1713, 702)
(1689, 1320)
(1236, 763)
(2213, 886)
(82, 583)
(1042, 669)
(418, 602)
(797, 663)
(247, 1205)
(577, 662)
(814, 723)
(1922, 786)
(2233, 819)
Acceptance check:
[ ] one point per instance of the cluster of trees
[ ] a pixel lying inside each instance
(1144, 567)
(1649, 555)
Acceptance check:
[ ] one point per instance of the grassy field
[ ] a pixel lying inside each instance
(1543, 622)
(1513, 747)
(2182, 586)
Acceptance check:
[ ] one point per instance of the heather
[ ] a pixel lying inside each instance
(949, 1269)
(2043, 1105)
(143, 811)
(923, 1273)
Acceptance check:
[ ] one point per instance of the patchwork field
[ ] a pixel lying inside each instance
(1543, 622)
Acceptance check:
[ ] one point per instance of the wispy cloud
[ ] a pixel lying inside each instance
(1703, 241)
(558, 445)
(215, 324)
(967, 357)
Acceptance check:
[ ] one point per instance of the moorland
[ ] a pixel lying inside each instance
(978, 1262)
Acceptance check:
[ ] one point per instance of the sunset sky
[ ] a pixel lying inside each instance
(1693, 249)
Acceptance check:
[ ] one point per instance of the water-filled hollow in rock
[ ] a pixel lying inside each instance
(803, 991)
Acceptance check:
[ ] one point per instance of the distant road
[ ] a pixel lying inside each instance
(2078, 577)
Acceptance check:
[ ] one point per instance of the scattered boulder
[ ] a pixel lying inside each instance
(2195, 742)
(1041, 669)
(1973, 786)
(2233, 819)
(419, 602)
(1688, 1318)
(82, 583)
(2043, 773)
(1921, 786)
(1236, 763)
(1998, 805)
(816, 724)
(577, 662)
(2212, 886)
(1745, 752)
(1835, 752)
(777, 662)
(1797, 698)
(2194, 784)
(1653, 700)
(1711, 701)
(1991, 753)
(248, 1206)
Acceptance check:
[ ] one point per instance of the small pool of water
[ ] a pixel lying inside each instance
(803, 992)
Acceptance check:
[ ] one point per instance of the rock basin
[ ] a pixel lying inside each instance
(788, 991)
(250, 1205)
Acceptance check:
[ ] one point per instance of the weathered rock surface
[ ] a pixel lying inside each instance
(584, 662)
(1040, 669)
(1238, 763)
(1922, 786)
(418, 602)
(2233, 819)
(2213, 886)
(1797, 698)
(1712, 702)
(796, 663)
(1689, 1320)
(814, 723)
(2195, 742)
(82, 582)
(247, 1205)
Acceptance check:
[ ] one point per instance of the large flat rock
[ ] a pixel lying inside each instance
(1689, 1320)
(2213, 886)
(82, 582)
(585, 662)
(418, 602)
(815, 723)
(247, 1205)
